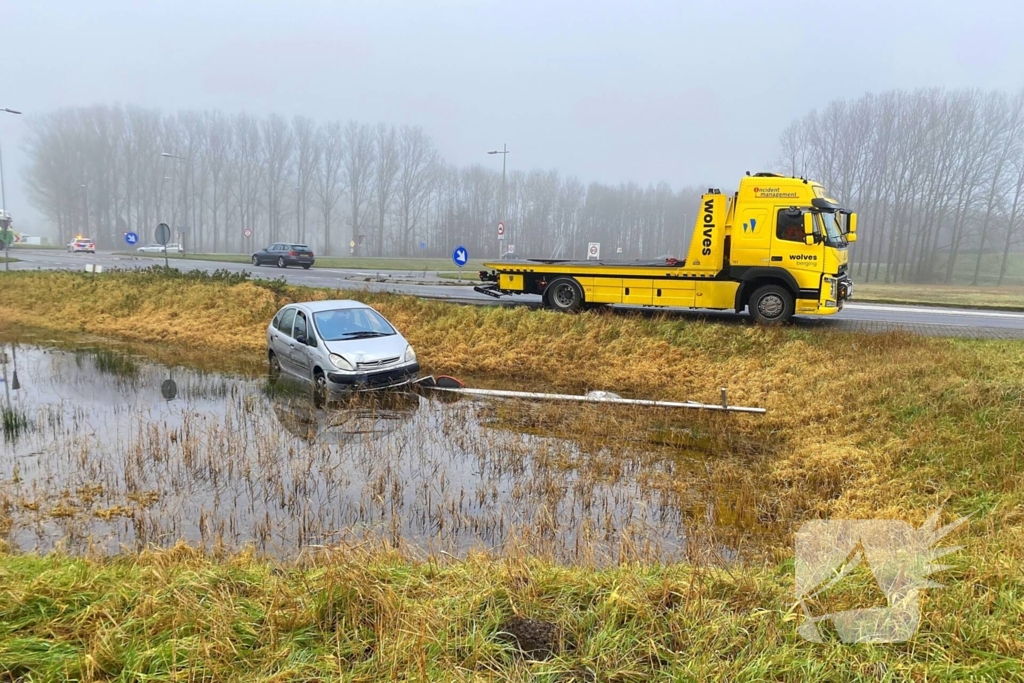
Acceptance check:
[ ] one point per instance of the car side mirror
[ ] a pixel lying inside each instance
(311, 342)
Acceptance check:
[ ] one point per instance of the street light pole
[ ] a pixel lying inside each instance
(3, 205)
(174, 175)
(298, 226)
(503, 218)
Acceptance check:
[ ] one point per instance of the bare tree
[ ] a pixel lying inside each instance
(328, 156)
(358, 159)
(417, 166)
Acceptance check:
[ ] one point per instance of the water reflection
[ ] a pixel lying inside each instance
(338, 419)
(108, 462)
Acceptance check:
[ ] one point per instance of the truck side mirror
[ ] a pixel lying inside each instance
(851, 237)
(809, 240)
(851, 224)
(809, 224)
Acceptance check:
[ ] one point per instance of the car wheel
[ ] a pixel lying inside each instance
(319, 385)
(255, 261)
(565, 295)
(275, 364)
(280, 262)
(306, 266)
(771, 305)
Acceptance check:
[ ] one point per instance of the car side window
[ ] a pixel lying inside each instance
(286, 321)
(790, 226)
(276, 322)
(300, 325)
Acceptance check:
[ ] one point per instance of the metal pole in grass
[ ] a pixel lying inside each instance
(5, 221)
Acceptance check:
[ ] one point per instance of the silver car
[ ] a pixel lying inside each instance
(339, 346)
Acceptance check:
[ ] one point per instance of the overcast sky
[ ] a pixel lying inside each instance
(678, 91)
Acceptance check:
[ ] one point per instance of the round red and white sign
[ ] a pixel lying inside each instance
(501, 228)
(593, 250)
(247, 232)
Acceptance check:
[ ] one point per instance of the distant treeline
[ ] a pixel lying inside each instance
(935, 176)
(103, 171)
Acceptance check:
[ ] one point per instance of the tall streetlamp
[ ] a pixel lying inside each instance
(5, 220)
(298, 225)
(504, 156)
(85, 199)
(174, 174)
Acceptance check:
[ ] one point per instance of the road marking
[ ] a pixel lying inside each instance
(934, 311)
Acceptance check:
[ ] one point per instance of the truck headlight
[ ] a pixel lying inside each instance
(831, 288)
(341, 363)
(410, 354)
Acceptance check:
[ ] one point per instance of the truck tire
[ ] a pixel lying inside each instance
(565, 295)
(771, 305)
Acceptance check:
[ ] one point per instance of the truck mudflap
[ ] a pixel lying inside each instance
(489, 290)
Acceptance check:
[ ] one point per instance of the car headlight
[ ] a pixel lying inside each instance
(410, 354)
(341, 363)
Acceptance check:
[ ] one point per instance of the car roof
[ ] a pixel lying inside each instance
(330, 305)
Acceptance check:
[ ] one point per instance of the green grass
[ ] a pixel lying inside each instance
(1000, 298)
(963, 272)
(8, 259)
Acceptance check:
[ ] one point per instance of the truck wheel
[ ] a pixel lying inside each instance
(771, 305)
(565, 295)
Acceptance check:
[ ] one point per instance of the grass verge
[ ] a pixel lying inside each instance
(997, 298)
(888, 425)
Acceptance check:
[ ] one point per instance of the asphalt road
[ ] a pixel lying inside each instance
(931, 321)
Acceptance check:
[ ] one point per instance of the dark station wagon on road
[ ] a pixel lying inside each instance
(284, 254)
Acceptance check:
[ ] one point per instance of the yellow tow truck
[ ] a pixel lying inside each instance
(778, 247)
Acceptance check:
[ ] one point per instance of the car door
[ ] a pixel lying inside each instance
(300, 352)
(281, 341)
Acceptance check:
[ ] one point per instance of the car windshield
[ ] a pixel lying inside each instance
(351, 323)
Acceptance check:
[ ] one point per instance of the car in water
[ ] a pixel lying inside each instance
(284, 254)
(338, 346)
(82, 244)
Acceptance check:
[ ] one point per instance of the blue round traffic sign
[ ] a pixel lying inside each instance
(460, 256)
(131, 238)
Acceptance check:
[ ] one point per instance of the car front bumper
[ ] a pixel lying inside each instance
(380, 379)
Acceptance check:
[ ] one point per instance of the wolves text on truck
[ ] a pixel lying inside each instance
(778, 248)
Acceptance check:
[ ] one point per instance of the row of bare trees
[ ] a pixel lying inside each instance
(104, 171)
(937, 178)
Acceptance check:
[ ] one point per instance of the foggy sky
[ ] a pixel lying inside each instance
(644, 91)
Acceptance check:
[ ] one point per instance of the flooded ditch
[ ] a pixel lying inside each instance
(95, 458)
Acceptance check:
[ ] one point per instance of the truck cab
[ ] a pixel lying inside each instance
(791, 233)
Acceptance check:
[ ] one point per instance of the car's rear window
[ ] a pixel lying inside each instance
(300, 247)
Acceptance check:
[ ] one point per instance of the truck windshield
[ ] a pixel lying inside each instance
(833, 234)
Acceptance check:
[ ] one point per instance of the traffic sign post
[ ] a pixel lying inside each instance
(460, 256)
(163, 236)
(594, 251)
(7, 236)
